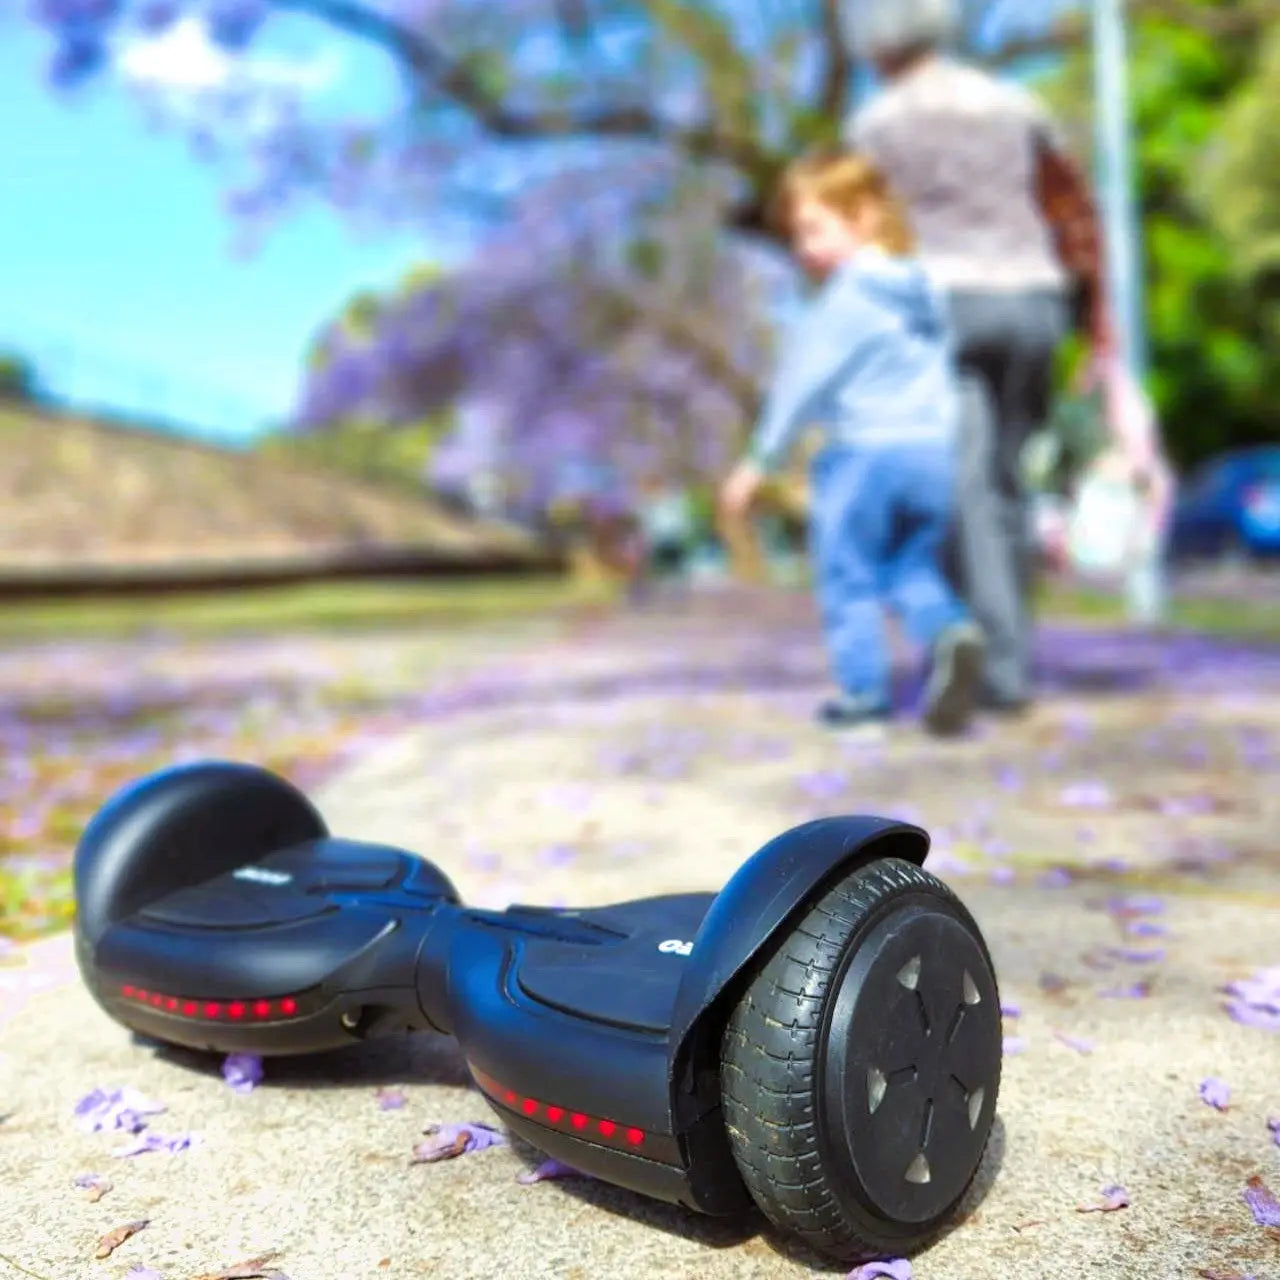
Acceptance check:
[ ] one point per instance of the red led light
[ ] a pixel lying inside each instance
(189, 1008)
(580, 1120)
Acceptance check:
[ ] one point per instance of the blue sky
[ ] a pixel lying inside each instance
(115, 260)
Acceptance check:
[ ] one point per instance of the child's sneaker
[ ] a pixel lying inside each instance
(955, 680)
(854, 715)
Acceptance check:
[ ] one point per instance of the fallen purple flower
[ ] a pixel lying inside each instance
(1135, 905)
(242, 1071)
(1216, 1093)
(1136, 955)
(96, 1185)
(110, 1109)
(1113, 1198)
(1014, 1044)
(1009, 1009)
(548, 1169)
(391, 1099)
(143, 1273)
(1262, 1203)
(1255, 1001)
(894, 1269)
(1055, 878)
(1003, 875)
(445, 1141)
(1145, 929)
(1077, 1043)
(1273, 1123)
(1086, 795)
(156, 1142)
(557, 855)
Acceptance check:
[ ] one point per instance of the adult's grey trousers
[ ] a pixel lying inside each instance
(1006, 342)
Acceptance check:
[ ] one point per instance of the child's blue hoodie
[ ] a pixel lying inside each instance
(870, 361)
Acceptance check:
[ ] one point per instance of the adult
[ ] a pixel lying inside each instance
(1005, 225)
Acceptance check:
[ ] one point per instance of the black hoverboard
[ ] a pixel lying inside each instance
(822, 1038)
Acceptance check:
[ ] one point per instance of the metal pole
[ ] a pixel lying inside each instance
(1116, 181)
(1145, 587)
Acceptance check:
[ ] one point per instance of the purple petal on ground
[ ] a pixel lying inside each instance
(1135, 905)
(146, 1142)
(1136, 955)
(823, 785)
(1008, 778)
(391, 1099)
(1010, 1009)
(548, 1169)
(1273, 1123)
(1255, 1001)
(110, 1109)
(1086, 795)
(89, 1181)
(1054, 878)
(892, 1269)
(143, 1273)
(1215, 1092)
(1003, 875)
(242, 1071)
(1113, 1198)
(1262, 1203)
(1079, 1044)
(1014, 1044)
(1145, 929)
(557, 855)
(445, 1141)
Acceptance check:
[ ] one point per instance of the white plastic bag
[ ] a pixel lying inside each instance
(1106, 526)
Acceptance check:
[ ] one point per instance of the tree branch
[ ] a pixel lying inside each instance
(429, 63)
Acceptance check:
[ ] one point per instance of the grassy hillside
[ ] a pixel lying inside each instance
(80, 493)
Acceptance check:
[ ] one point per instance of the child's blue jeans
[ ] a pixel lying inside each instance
(879, 517)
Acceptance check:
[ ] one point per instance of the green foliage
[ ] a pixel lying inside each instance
(1209, 187)
(17, 377)
(367, 450)
(728, 74)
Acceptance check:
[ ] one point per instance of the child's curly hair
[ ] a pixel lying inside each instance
(845, 183)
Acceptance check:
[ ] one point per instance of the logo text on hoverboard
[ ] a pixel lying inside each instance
(261, 875)
(674, 947)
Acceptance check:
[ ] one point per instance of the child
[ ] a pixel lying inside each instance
(870, 361)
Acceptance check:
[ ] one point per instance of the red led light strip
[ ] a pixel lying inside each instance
(214, 1010)
(559, 1117)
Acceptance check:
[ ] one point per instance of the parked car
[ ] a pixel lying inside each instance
(1229, 507)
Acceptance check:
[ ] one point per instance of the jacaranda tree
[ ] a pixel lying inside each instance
(617, 156)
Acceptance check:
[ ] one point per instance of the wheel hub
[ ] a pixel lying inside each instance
(912, 1064)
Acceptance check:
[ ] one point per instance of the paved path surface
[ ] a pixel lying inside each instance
(652, 755)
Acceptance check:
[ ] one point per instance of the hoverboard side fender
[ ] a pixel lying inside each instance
(747, 915)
